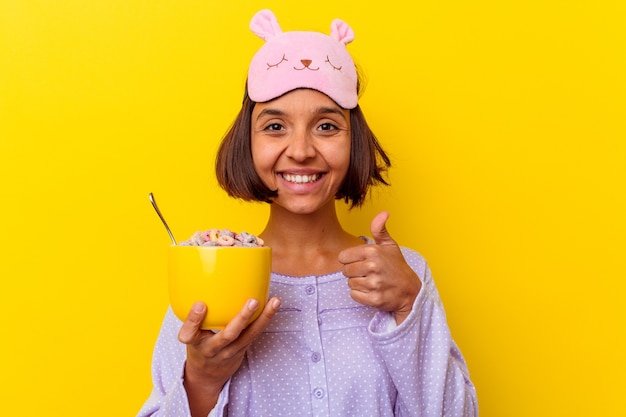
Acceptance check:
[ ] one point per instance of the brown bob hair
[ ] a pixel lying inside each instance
(236, 174)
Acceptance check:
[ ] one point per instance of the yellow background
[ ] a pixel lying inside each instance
(505, 121)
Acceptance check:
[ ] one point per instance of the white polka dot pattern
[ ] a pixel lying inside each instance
(326, 355)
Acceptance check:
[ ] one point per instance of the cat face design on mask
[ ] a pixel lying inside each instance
(298, 59)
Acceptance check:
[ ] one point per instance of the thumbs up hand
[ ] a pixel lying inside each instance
(378, 274)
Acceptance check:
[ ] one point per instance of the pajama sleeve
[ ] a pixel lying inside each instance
(426, 366)
(168, 397)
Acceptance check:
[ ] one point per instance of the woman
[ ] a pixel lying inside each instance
(355, 326)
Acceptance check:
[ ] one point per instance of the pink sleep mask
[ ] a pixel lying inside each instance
(291, 60)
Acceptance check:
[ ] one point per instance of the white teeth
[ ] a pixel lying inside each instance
(301, 179)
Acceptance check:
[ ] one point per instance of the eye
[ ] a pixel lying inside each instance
(331, 64)
(327, 127)
(278, 63)
(274, 127)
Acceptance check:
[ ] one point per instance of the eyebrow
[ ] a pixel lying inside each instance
(320, 110)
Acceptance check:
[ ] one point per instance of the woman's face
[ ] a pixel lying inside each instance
(301, 147)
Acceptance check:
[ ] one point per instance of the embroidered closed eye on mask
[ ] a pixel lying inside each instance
(297, 59)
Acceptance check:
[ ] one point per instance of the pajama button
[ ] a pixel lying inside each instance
(315, 357)
(309, 290)
(318, 393)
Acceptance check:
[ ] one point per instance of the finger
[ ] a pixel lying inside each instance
(350, 255)
(360, 294)
(263, 320)
(379, 231)
(356, 269)
(234, 328)
(192, 327)
(357, 284)
(240, 340)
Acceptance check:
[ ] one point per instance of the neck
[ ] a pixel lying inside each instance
(306, 244)
(287, 229)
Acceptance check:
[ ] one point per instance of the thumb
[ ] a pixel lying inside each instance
(191, 328)
(379, 229)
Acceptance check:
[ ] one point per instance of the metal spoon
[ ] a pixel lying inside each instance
(156, 208)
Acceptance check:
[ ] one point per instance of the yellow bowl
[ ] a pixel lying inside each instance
(224, 278)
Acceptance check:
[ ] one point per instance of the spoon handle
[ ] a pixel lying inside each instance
(156, 208)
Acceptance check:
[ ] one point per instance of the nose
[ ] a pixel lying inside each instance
(306, 62)
(300, 147)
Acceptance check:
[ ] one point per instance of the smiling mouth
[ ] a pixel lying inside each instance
(301, 179)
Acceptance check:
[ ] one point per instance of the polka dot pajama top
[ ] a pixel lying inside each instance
(324, 354)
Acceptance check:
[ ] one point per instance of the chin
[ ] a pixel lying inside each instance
(302, 207)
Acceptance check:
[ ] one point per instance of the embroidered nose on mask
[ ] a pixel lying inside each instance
(306, 65)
